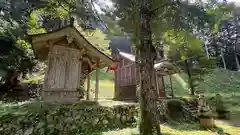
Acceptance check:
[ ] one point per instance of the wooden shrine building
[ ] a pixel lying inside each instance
(70, 59)
(125, 70)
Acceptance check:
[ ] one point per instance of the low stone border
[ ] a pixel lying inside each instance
(53, 119)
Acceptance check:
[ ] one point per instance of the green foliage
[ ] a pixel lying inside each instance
(18, 21)
(83, 118)
(182, 44)
(222, 12)
(56, 9)
(174, 107)
(98, 39)
(33, 26)
(219, 81)
(18, 59)
(81, 90)
(112, 25)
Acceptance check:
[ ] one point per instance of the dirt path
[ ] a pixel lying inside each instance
(230, 122)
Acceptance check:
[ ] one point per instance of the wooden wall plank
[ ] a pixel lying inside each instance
(72, 76)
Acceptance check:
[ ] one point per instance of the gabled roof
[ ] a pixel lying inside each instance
(163, 67)
(128, 56)
(41, 46)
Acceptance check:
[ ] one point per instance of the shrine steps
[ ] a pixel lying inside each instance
(191, 110)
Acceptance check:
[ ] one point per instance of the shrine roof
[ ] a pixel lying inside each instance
(42, 42)
(163, 67)
(166, 68)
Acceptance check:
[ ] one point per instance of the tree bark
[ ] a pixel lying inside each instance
(190, 80)
(149, 122)
(223, 60)
(236, 59)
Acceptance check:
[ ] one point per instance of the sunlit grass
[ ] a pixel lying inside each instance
(182, 129)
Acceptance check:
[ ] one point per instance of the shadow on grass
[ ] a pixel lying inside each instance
(95, 133)
(218, 130)
(161, 134)
(185, 126)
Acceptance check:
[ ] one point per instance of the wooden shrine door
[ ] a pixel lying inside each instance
(63, 74)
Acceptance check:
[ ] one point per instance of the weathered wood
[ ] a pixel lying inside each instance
(80, 73)
(161, 89)
(88, 86)
(62, 76)
(72, 69)
(70, 58)
(170, 79)
(97, 82)
(57, 67)
(80, 41)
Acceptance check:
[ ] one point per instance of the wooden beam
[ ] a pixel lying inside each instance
(97, 81)
(89, 61)
(88, 86)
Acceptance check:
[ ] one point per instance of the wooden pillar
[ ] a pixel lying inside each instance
(157, 84)
(170, 79)
(88, 86)
(97, 81)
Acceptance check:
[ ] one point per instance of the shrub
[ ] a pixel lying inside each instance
(56, 119)
(174, 107)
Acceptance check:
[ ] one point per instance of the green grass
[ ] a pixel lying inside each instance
(106, 82)
(179, 129)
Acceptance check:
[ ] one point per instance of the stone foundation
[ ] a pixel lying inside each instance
(81, 118)
(60, 96)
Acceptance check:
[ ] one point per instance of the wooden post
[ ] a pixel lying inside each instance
(170, 79)
(157, 85)
(97, 81)
(88, 86)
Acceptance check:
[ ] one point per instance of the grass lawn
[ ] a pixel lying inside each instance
(180, 129)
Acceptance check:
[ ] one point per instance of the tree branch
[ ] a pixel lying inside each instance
(60, 4)
(177, 2)
(161, 6)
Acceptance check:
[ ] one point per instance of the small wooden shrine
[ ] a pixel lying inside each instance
(70, 59)
(124, 69)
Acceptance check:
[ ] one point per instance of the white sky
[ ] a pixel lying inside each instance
(108, 4)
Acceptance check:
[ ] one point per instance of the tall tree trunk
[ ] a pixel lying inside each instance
(149, 123)
(236, 59)
(235, 45)
(223, 60)
(190, 79)
(206, 49)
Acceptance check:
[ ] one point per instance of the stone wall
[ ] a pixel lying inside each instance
(41, 119)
